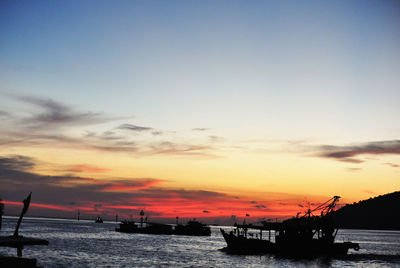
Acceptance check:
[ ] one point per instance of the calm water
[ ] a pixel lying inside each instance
(87, 244)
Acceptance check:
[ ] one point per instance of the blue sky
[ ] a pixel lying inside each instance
(233, 58)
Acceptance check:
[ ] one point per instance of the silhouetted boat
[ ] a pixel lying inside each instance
(304, 236)
(149, 228)
(145, 227)
(99, 220)
(192, 227)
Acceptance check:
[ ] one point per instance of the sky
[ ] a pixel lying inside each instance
(206, 109)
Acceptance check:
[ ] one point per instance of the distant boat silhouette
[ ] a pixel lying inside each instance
(99, 220)
(149, 228)
(304, 236)
(192, 227)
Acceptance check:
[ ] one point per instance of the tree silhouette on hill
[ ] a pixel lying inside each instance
(379, 213)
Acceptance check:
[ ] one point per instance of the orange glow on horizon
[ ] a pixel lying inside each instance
(38, 205)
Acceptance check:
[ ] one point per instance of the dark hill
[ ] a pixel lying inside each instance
(378, 213)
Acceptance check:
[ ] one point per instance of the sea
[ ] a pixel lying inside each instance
(85, 243)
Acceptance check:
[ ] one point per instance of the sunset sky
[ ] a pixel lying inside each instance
(206, 109)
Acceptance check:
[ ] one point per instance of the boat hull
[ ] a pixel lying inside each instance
(243, 245)
(313, 248)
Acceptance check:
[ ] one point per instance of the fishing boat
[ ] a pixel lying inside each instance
(305, 235)
(192, 227)
(147, 228)
(144, 227)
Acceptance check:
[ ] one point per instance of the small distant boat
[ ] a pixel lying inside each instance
(305, 236)
(99, 220)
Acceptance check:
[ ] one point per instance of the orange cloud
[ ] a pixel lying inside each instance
(88, 168)
(128, 186)
(39, 205)
(128, 196)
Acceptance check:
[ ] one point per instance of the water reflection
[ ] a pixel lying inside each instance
(86, 244)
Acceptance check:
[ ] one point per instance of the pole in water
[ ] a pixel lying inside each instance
(26, 202)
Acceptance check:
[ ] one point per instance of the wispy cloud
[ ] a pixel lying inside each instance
(392, 165)
(4, 114)
(350, 153)
(167, 147)
(134, 128)
(127, 185)
(88, 168)
(369, 192)
(200, 129)
(45, 126)
(16, 162)
(157, 133)
(353, 169)
(216, 138)
(54, 114)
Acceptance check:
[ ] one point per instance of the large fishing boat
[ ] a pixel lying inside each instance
(305, 235)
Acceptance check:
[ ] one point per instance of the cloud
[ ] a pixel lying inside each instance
(124, 196)
(369, 191)
(56, 114)
(127, 185)
(88, 168)
(4, 114)
(253, 202)
(45, 125)
(83, 193)
(353, 169)
(167, 147)
(39, 205)
(134, 128)
(216, 138)
(61, 190)
(392, 165)
(200, 129)
(348, 153)
(16, 162)
(206, 211)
